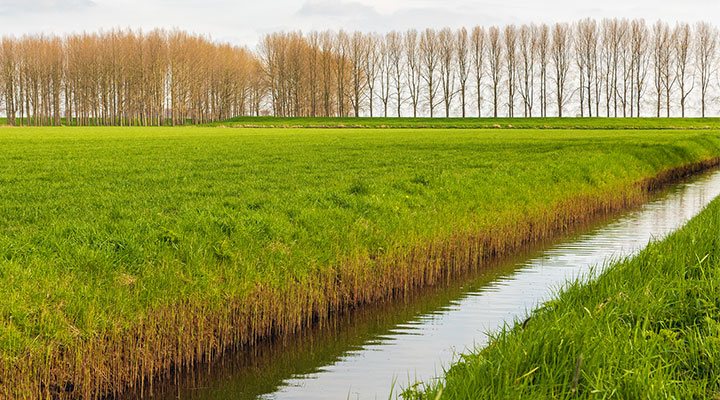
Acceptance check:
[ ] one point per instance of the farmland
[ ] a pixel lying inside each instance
(126, 252)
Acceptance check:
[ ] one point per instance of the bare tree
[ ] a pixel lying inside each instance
(463, 64)
(8, 76)
(560, 54)
(664, 78)
(478, 52)
(495, 59)
(528, 55)
(612, 34)
(341, 71)
(385, 73)
(327, 48)
(627, 69)
(639, 44)
(358, 60)
(683, 46)
(430, 59)
(705, 52)
(586, 48)
(395, 54)
(313, 41)
(372, 62)
(414, 68)
(543, 45)
(446, 44)
(510, 47)
(581, 62)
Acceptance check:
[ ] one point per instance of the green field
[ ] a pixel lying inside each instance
(125, 251)
(475, 123)
(647, 328)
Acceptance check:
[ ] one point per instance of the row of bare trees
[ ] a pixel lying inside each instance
(124, 77)
(613, 67)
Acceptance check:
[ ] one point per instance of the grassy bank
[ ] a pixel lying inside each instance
(475, 123)
(126, 252)
(647, 328)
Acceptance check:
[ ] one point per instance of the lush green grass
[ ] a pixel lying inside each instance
(101, 226)
(647, 328)
(477, 123)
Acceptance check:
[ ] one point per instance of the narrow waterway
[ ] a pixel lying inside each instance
(361, 355)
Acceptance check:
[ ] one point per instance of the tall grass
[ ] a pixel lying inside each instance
(127, 253)
(647, 328)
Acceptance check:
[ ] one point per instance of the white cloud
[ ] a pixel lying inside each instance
(330, 8)
(14, 7)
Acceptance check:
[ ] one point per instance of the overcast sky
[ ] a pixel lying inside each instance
(243, 22)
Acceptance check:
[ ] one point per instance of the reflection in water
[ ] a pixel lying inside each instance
(359, 355)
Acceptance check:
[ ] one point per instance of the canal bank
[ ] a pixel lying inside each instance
(373, 350)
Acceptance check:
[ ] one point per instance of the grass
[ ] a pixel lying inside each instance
(475, 123)
(647, 328)
(128, 252)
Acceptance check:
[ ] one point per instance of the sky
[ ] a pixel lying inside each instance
(243, 22)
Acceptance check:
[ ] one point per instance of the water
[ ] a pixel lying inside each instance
(361, 355)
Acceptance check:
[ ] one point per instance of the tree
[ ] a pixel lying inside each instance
(543, 46)
(495, 58)
(327, 59)
(395, 55)
(664, 79)
(358, 55)
(430, 59)
(8, 76)
(639, 45)
(586, 49)
(705, 52)
(446, 44)
(372, 64)
(478, 52)
(463, 64)
(385, 73)
(560, 55)
(612, 38)
(510, 47)
(682, 44)
(414, 68)
(341, 61)
(313, 42)
(528, 54)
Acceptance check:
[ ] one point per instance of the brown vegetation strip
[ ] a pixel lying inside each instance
(181, 337)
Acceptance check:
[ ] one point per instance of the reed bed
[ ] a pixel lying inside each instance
(647, 328)
(131, 254)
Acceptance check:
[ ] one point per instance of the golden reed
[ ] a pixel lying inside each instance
(180, 337)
